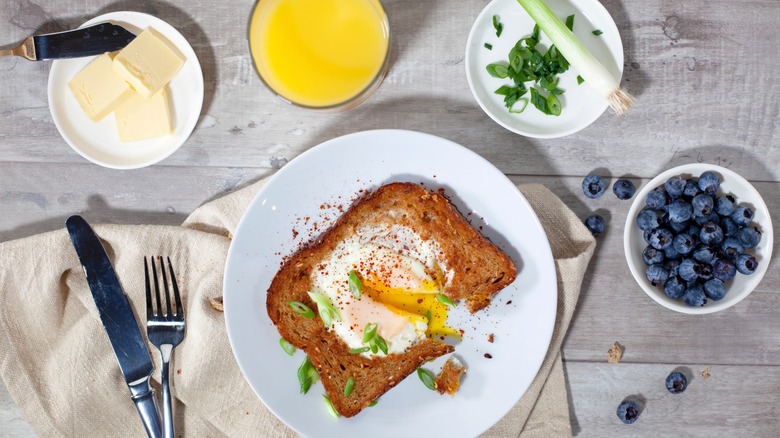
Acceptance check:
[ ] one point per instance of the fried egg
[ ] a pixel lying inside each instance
(400, 274)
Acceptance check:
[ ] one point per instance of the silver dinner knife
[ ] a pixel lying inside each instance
(86, 41)
(118, 320)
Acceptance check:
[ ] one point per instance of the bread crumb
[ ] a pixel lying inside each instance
(705, 373)
(448, 381)
(615, 353)
(217, 304)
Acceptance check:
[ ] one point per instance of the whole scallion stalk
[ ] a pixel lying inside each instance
(578, 56)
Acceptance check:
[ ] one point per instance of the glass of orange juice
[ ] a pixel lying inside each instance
(320, 54)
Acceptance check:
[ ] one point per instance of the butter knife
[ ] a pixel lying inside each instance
(86, 41)
(118, 320)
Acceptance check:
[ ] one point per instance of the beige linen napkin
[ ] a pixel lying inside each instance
(60, 370)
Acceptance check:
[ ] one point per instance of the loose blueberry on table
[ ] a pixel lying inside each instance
(593, 186)
(628, 411)
(676, 382)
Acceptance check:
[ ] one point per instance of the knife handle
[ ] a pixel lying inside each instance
(26, 50)
(146, 403)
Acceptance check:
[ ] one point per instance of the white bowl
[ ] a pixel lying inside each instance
(581, 104)
(736, 289)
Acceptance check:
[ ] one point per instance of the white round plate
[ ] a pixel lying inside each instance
(581, 105)
(304, 197)
(745, 194)
(99, 142)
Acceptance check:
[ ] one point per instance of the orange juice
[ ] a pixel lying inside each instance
(319, 53)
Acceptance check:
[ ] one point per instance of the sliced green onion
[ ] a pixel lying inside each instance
(497, 70)
(497, 26)
(313, 374)
(488, 46)
(570, 22)
(427, 378)
(349, 387)
(553, 104)
(372, 404)
(360, 350)
(443, 298)
(303, 375)
(286, 346)
(355, 285)
(327, 312)
(380, 342)
(428, 315)
(301, 308)
(329, 406)
(580, 80)
(369, 332)
(578, 56)
(523, 101)
(597, 32)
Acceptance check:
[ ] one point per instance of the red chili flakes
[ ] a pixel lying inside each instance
(488, 355)
(509, 302)
(419, 301)
(490, 338)
(178, 371)
(294, 233)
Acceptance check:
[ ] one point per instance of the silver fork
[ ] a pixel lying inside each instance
(165, 329)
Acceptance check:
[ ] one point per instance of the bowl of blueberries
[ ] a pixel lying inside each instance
(698, 238)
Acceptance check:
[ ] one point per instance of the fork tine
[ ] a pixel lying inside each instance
(156, 288)
(149, 310)
(176, 296)
(168, 311)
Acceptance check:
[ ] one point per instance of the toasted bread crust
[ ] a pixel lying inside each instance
(480, 271)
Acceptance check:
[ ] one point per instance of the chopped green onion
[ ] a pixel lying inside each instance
(553, 104)
(539, 101)
(369, 333)
(355, 285)
(372, 404)
(570, 22)
(497, 70)
(329, 406)
(327, 312)
(303, 375)
(575, 52)
(301, 308)
(286, 346)
(360, 350)
(497, 25)
(428, 315)
(580, 80)
(597, 32)
(488, 46)
(380, 342)
(512, 109)
(444, 300)
(349, 387)
(427, 378)
(313, 375)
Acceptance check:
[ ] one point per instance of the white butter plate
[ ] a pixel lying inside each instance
(99, 142)
(581, 105)
(302, 199)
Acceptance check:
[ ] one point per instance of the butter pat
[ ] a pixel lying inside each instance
(139, 118)
(149, 62)
(98, 89)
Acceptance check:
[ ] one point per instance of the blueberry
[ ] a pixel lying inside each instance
(703, 254)
(704, 271)
(647, 219)
(724, 205)
(724, 270)
(702, 205)
(595, 224)
(675, 186)
(680, 211)
(656, 198)
(646, 236)
(652, 256)
(628, 411)
(671, 253)
(746, 264)
(712, 217)
(694, 296)
(709, 182)
(671, 265)
(676, 382)
(677, 227)
(687, 270)
(693, 230)
(661, 238)
(711, 234)
(684, 243)
(691, 188)
(742, 215)
(657, 274)
(749, 237)
(624, 189)
(593, 186)
(715, 289)
(728, 226)
(732, 247)
(675, 287)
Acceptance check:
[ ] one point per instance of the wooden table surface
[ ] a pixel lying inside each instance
(707, 78)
